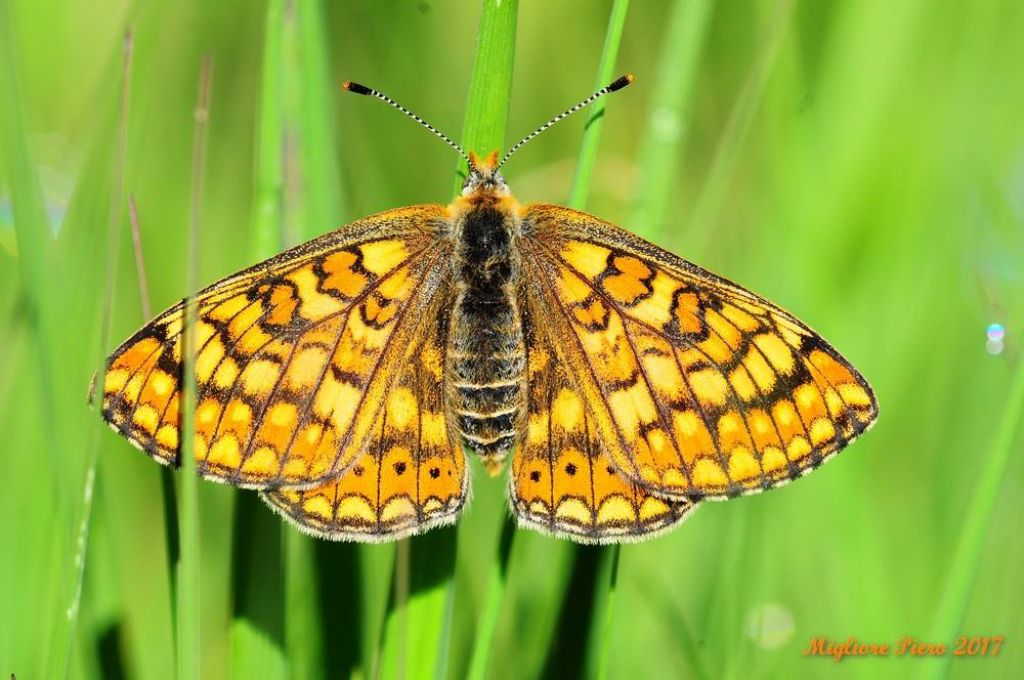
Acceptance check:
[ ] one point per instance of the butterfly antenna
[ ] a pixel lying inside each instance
(369, 91)
(618, 84)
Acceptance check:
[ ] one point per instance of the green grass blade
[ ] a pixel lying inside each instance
(595, 118)
(681, 48)
(431, 591)
(963, 568)
(737, 128)
(187, 610)
(490, 87)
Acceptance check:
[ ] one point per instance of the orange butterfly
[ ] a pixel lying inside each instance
(343, 377)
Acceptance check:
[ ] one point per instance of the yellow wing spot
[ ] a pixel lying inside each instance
(709, 386)
(396, 509)
(745, 322)
(381, 257)
(652, 507)
(356, 508)
(615, 509)
(707, 474)
(742, 465)
(433, 429)
(777, 352)
(402, 409)
(167, 437)
(722, 329)
(147, 418)
(208, 360)
(115, 380)
(772, 459)
(263, 462)
(161, 383)
(759, 369)
(227, 373)
(854, 394)
(283, 414)
(741, 382)
(225, 452)
(798, 448)
(318, 506)
(822, 430)
(573, 510)
(587, 258)
(566, 411)
(228, 308)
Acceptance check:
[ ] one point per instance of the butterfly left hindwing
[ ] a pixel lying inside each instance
(412, 475)
(698, 387)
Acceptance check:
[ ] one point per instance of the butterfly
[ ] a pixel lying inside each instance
(346, 378)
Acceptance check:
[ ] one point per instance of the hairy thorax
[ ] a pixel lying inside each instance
(486, 357)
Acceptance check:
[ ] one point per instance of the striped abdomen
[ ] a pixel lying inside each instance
(486, 354)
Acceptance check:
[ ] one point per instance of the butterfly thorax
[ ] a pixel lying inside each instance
(486, 350)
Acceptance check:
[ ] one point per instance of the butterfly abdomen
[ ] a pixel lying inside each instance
(487, 359)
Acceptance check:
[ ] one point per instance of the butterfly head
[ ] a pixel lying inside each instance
(484, 176)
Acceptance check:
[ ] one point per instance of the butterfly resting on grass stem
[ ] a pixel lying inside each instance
(344, 377)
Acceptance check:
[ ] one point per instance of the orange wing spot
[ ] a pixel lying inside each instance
(687, 315)
(625, 288)
(141, 352)
(283, 304)
(593, 314)
(571, 475)
(632, 266)
(787, 420)
(379, 312)
(834, 372)
(693, 437)
(809, 402)
(341, 277)
(762, 429)
(732, 432)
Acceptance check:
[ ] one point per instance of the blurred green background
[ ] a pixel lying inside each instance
(861, 162)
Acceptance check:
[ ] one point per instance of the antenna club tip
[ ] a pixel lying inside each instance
(355, 87)
(621, 82)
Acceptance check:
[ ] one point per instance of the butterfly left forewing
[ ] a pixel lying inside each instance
(292, 355)
(412, 474)
(705, 389)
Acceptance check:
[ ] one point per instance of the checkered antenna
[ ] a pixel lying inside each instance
(618, 84)
(362, 89)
